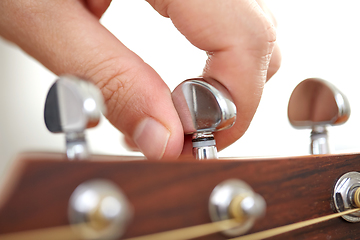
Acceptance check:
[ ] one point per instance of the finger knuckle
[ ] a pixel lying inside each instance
(114, 79)
(265, 35)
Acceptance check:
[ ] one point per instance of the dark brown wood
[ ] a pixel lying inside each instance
(171, 195)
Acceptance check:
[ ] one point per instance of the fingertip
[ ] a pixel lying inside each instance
(144, 112)
(129, 144)
(152, 138)
(187, 149)
(155, 141)
(275, 62)
(175, 143)
(97, 7)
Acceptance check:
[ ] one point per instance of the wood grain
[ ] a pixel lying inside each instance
(171, 195)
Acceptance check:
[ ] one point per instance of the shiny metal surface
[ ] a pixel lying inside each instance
(71, 106)
(252, 205)
(206, 152)
(101, 205)
(315, 104)
(76, 146)
(204, 146)
(343, 195)
(204, 106)
(319, 141)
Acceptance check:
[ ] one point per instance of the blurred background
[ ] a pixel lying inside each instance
(318, 38)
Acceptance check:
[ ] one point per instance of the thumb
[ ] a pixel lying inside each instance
(140, 105)
(67, 38)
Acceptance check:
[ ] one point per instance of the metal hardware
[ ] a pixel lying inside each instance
(71, 106)
(344, 194)
(315, 104)
(204, 107)
(319, 140)
(103, 209)
(234, 198)
(204, 146)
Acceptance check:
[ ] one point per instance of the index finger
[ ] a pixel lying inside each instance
(239, 38)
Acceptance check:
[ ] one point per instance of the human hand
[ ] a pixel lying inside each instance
(67, 37)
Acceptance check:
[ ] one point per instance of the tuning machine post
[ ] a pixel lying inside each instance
(71, 106)
(316, 104)
(204, 107)
(346, 195)
(234, 199)
(98, 209)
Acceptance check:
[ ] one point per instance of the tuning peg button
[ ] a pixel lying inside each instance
(71, 106)
(204, 107)
(235, 199)
(315, 104)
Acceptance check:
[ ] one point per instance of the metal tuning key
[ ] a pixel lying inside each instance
(315, 104)
(71, 106)
(234, 199)
(100, 210)
(346, 195)
(204, 107)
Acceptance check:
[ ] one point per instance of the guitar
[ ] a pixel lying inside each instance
(158, 196)
(171, 195)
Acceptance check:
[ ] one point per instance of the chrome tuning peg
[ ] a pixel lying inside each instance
(315, 104)
(204, 107)
(100, 210)
(235, 199)
(71, 106)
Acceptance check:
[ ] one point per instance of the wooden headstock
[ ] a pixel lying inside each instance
(171, 195)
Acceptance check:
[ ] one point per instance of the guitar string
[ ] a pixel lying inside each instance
(67, 232)
(54, 233)
(291, 227)
(185, 233)
(191, 232)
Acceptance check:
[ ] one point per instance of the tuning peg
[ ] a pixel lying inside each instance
(235, 199)
(204, 107)
(315, 104)
(71, 106)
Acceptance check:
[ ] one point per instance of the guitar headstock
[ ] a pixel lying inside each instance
(171, 195)
(109, 197)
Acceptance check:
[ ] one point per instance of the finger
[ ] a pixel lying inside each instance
(66, 38)
(130, 144)
(275, 62)
(268, 12)
(239, 38)
(97, 7)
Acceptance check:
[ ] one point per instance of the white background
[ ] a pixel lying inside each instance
(317, 39)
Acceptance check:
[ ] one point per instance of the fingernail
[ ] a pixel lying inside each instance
(151, 137)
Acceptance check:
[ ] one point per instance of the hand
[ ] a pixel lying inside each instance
(67, 37)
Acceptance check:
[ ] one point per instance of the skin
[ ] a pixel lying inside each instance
(66, 36)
